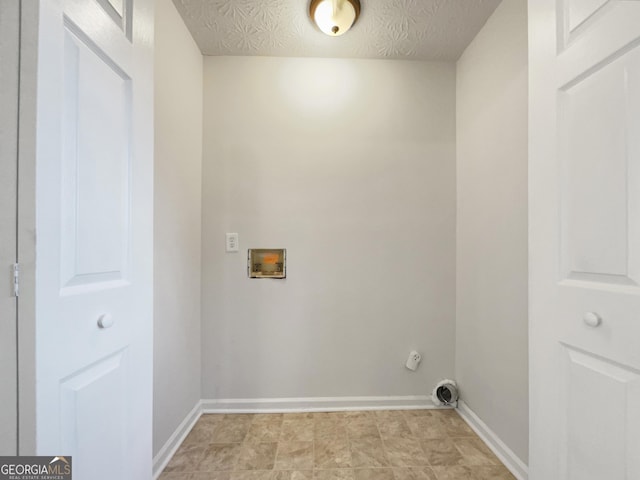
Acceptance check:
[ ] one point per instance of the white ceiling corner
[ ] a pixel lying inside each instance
(404, 29)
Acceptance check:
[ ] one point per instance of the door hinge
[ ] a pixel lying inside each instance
(16, 280)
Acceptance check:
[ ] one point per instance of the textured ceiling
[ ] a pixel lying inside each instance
(407, 29)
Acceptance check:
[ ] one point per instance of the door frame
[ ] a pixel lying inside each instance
(27, 227)
(10, 52)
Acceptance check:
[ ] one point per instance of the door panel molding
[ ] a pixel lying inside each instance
(86, 392)
(591, 384)
(96, 175)
(600, 165)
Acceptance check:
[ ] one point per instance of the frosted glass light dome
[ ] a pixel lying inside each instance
(334, 17)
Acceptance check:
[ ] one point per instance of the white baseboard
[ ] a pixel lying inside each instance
(320, 404)
(516, 466)
(167, 451)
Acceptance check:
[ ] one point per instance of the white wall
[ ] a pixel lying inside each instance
(491, 327)
(178, 161)
(350, 165)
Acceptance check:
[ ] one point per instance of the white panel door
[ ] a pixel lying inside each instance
(585, 239)
(94, 236)
(9, 48)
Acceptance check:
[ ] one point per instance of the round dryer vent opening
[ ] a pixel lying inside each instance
(445, 393)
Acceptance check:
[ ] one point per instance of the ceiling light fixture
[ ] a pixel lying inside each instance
(334, 17)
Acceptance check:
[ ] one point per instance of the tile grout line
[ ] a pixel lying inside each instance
(275, 459)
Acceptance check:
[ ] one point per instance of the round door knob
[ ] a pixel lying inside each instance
(105, 321)
(592, 319)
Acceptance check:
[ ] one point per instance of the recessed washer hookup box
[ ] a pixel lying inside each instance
(267, 263)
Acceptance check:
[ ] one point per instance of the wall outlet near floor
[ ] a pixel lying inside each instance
(413, 361)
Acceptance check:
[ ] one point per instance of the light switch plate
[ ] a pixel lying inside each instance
(232, 242)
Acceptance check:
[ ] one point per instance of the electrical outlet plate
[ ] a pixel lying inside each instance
(232, 244)
(267, 263)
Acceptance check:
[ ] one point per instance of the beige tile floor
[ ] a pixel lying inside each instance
(381, 445)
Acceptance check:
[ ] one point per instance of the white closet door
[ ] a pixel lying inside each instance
(585, 239)
(94, 236)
